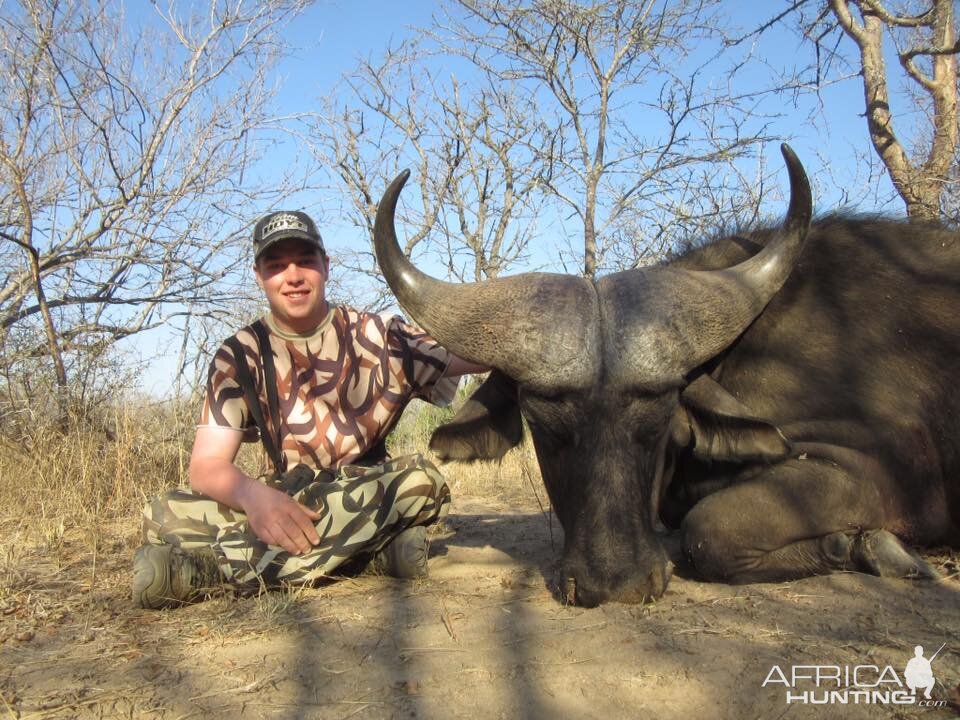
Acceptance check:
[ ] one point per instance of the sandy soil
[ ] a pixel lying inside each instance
(483, 637)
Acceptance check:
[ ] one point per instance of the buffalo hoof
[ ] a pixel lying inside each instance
(880, 552)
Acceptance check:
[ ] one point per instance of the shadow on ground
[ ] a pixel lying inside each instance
(482, 637)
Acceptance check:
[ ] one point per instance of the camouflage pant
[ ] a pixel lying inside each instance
(362, 510)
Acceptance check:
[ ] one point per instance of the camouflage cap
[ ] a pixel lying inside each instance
(283, 225)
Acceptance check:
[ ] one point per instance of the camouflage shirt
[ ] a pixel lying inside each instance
(341, 388)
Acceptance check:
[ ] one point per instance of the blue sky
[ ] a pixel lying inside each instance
(330, 36)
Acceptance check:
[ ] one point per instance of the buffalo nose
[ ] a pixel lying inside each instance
(578, 594)
(574, 592)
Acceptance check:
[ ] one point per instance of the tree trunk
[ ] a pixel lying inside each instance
(919, 182)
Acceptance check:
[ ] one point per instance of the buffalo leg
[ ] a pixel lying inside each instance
(798, 518)
(882, 553)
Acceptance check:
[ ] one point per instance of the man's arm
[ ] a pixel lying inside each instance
(274, 516)
(458, 366)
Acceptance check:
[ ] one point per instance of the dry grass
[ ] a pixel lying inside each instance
(517, 475)
(97, 472)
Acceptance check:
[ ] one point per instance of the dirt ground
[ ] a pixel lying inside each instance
(482, 637)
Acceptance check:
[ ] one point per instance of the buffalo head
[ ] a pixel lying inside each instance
(598, 370)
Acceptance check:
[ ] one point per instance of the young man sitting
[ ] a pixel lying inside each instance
(338, 382)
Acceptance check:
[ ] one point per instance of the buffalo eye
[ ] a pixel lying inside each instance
(555, 414)
(648, 414)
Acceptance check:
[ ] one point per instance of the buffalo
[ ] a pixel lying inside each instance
(783, 399)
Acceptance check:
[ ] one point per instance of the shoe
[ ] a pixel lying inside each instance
(166, 576)
(405, 557)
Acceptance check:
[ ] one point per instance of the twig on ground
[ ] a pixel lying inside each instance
(248, 688)
(360, 709)
(702, 631)
(447, 620)
(49, 709)
(546, 663)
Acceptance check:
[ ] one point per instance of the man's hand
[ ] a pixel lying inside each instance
(278, 519)
(274, 516)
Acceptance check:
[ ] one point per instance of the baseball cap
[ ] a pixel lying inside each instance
(283, 225)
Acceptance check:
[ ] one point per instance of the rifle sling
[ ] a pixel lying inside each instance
(270, 379)
(245, 379)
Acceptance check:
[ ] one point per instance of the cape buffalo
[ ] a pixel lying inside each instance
(785, 396)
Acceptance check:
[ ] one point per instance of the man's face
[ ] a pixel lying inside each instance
(293, 275)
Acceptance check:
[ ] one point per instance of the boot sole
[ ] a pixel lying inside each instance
(151, 577)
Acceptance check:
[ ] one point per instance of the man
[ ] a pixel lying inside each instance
(342, 378)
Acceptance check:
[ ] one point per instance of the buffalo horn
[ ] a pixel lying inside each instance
(531, 326)
(671, 319)
(758, 279)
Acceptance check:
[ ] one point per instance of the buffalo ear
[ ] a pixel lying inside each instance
(487, 425)
(724, 429)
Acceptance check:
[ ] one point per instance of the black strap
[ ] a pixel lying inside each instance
(245, 379)
(375, 455)
(270, 379)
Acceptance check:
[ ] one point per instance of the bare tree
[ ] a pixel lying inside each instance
(629, 131)
(554, 109)
(122, 169)
(473, 169)
(919, 156)
(950, 200)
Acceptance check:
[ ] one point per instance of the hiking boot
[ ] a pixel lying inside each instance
(405, 557)
(166, 576)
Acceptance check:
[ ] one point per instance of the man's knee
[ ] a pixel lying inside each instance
(156, 515)
(429, 481)
(414, 461)
(417, 470)
(184, 518)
